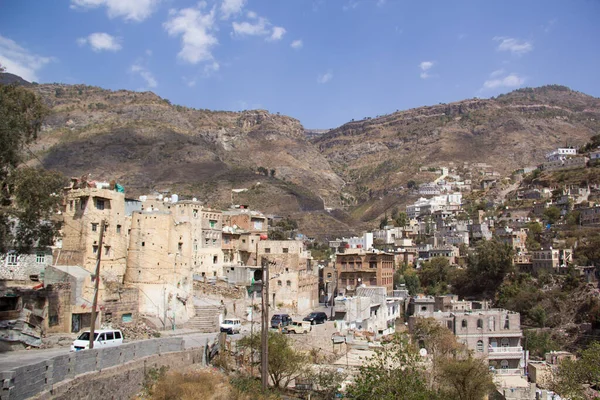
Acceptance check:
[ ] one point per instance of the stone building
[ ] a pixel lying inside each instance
(242, 230)
(364, 268)
(85, 208)
(15, 267)
(170, 244)
(494, 334)
(550, 260)
(294, 283)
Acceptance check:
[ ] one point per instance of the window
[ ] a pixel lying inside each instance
(118, 334)
(106, 250)
(126, 318)
(464, 323)
(102, 337)
(214, 242)
(504, 364)
(118, 228)
(215, 259)
(267, 250)
(285, 249)
(70, 205)
(480, 346)
(212, 223)
(95, 249)
(506, 323)
(195, 213)
(94, 227)
(329, 274)
(12, 259)
(83, 200)
(423, 308)
(179, 247)
(110, 336)
(100, 204)
(206, 240)
(278, 283)
(195, 245)
(504, 342)
(449, 324)
(143, 244)
(288, 283)
(40, 258)
(479, 323)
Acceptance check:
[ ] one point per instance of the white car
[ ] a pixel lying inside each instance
(231, 325)
(102, 338)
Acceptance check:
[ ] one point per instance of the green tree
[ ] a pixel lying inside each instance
(394, 372)
(486, 268)
(466, 378)
(285, 362)
(434, 275)
(401, 219)
(552, 214)
(28, 196)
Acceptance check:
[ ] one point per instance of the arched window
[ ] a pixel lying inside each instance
(504, 342)
(504, 364)
(479, 323)
(464, 323)
(506, 322)
(492, 323)
(480, 346)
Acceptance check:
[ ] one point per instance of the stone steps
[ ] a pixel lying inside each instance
(206, 319)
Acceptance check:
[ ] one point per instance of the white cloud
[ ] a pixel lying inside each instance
(515, 46)
(231, 7)
(381, 3)
(20, 61)
(497, 73)
(211, 68)
(145, 74)
(278, 33)
(324, 78)
(261, 27)
(548, 27)
(130, 10)
(149, 52)
(249, 29)
(297, 44)
(350, 5)
(426, 66)
(252, 15)
(195, 30)
(101, 41)
(497, 81)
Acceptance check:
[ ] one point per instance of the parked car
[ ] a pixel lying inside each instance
(102, 338)
(298, 327)
(280, 320)
(317, 317)
(231, 325)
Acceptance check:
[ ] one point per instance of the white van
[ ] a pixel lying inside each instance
(102, 338)
(231, 325)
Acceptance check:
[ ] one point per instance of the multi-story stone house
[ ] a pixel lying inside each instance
(364, 268)
(515, 238)
(19, 268)
(494, 334)
(551, 260)
(86, 206)
(170, 245)
(242, 230)
(589, 215)
(293, 282)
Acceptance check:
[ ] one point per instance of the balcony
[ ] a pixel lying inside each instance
(496, 353)
(507, 371)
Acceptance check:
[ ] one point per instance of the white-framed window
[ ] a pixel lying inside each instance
(12, 259)
(40, 258)
(480, 346)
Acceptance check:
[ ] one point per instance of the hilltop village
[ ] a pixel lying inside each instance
(170, 263)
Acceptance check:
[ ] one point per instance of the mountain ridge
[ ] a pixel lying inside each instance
(359, 169)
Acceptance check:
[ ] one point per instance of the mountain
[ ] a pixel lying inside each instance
(12, 79)
(376, 156)
(332, 181)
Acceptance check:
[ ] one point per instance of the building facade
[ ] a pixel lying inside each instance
(364, 268)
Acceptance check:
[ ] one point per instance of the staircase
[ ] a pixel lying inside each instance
(206, 319)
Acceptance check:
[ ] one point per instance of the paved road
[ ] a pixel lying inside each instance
(14, 359)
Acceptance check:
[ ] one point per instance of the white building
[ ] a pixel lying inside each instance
(560, 153)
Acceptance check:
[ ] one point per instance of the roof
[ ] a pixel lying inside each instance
(73, 270)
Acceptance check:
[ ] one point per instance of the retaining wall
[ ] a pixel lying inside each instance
(110, 373)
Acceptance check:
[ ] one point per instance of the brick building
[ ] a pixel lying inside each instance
(364, 268)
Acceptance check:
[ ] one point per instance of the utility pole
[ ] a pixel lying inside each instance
(96, 284)
(264, 359)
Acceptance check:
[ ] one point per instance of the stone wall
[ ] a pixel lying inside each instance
(27, 266)
(114, 372)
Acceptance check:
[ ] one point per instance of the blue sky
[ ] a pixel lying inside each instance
(324, 62)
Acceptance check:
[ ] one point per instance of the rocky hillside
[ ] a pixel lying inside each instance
(357, 171)
(148, 144)
(508, 132)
